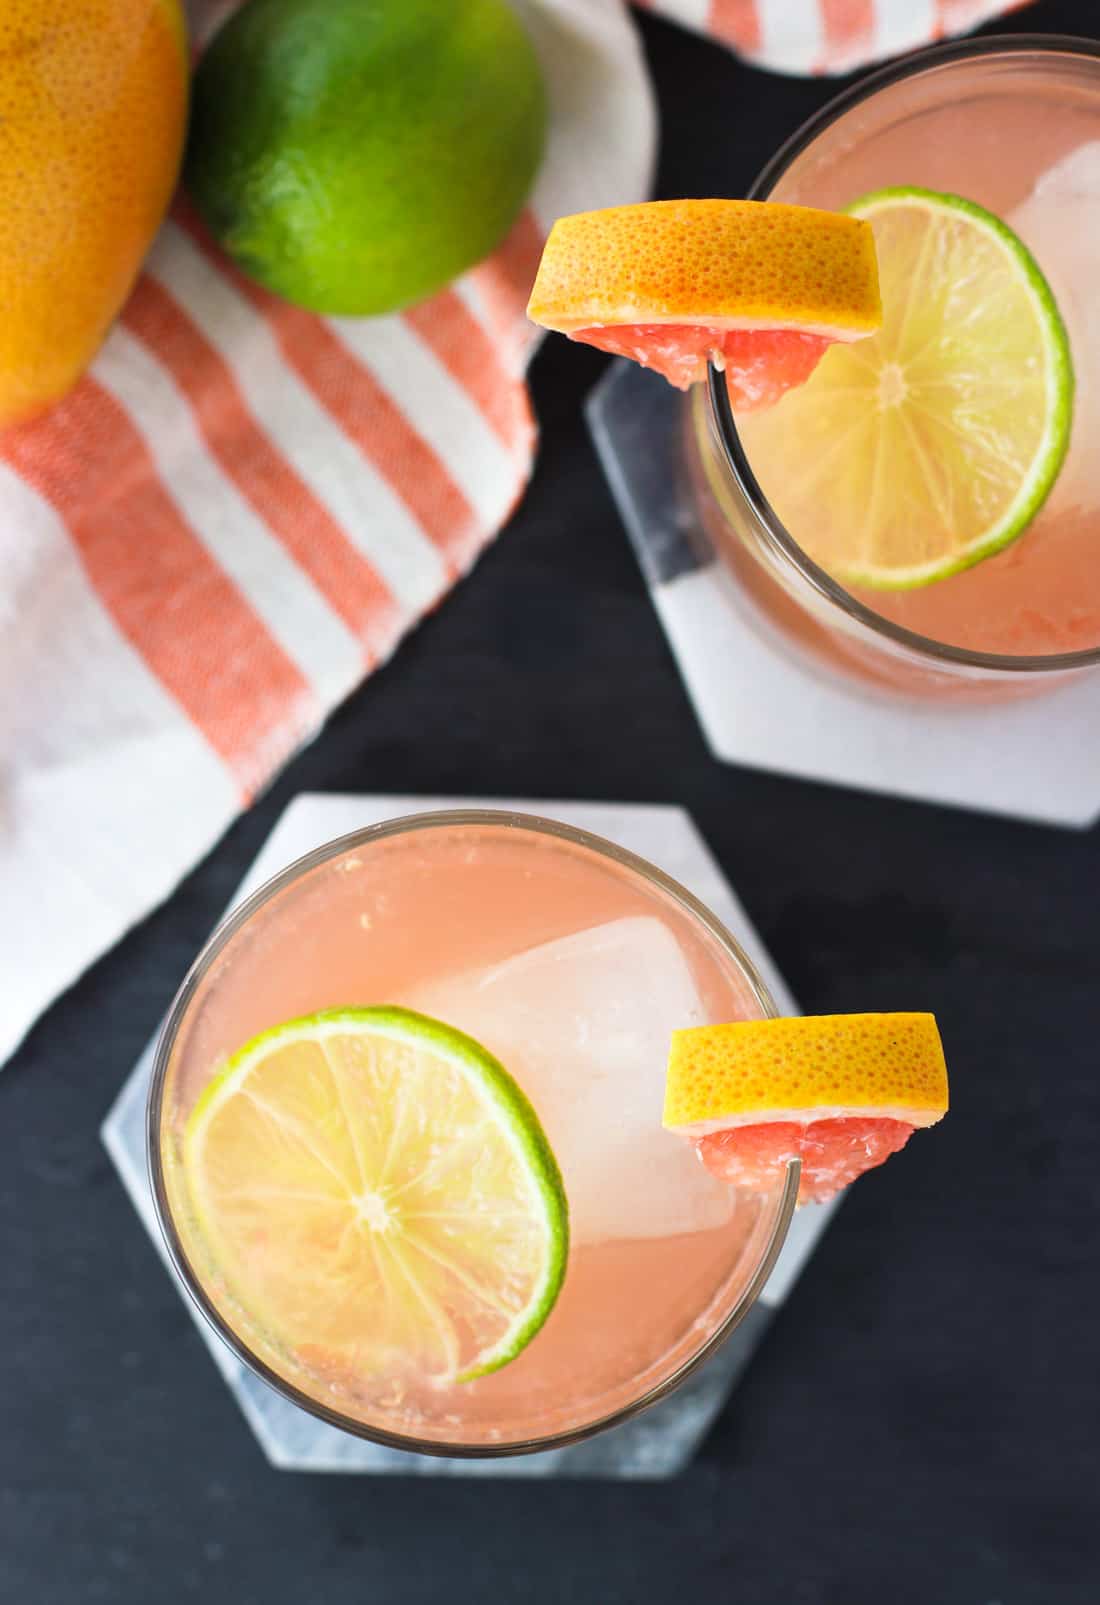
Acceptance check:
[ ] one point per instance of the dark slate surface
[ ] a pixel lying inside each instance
(919, 1428)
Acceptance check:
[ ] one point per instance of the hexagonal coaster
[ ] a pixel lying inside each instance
(760, 705)
(658, 1443)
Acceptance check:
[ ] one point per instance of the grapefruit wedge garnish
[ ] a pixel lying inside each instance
(840, 1092)
(759, 288)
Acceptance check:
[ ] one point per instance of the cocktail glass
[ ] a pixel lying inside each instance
(1014, 124)
(572, 960)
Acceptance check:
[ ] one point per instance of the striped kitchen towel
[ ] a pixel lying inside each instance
(830, 36)
(242, 507)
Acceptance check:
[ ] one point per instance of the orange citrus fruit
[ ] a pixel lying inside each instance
(93, 105)
(840, 1092)
(759, 288)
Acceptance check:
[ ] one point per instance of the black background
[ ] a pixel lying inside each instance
(920, 1426)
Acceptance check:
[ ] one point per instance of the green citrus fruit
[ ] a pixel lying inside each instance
(372, 1187)
(356, 155)
(932, 444)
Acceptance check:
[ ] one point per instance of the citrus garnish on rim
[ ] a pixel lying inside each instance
(839, 1092)
(759, 288)
(378, 1197)
(934, 443)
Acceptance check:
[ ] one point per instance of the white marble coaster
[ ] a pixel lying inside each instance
(658, 1443)
(758, 704)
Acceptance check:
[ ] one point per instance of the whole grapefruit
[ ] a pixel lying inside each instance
(93, 107)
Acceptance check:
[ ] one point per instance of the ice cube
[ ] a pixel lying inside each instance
(583, 1023)
(1060, 224)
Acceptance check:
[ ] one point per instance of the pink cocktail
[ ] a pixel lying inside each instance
(1014, 125)
(572, 962)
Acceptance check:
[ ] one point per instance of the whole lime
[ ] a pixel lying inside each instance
(356, 155)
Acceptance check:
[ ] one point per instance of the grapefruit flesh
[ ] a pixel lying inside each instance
(833, 1152)
(760, 364)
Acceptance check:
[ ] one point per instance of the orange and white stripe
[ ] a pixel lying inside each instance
(792, 36)
(90, 851)
(738, 23)
(323, 652)
(830, 36)
(469, 453)
(372, 518)
(848, 29)
(262, 473)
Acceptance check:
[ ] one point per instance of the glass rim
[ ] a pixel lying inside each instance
(768, 525)
(224, 932)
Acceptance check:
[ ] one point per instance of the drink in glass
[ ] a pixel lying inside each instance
(1014, 125)
(572, 962)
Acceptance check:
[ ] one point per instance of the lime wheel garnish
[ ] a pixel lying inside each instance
(377, 1197)
(934, 443)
